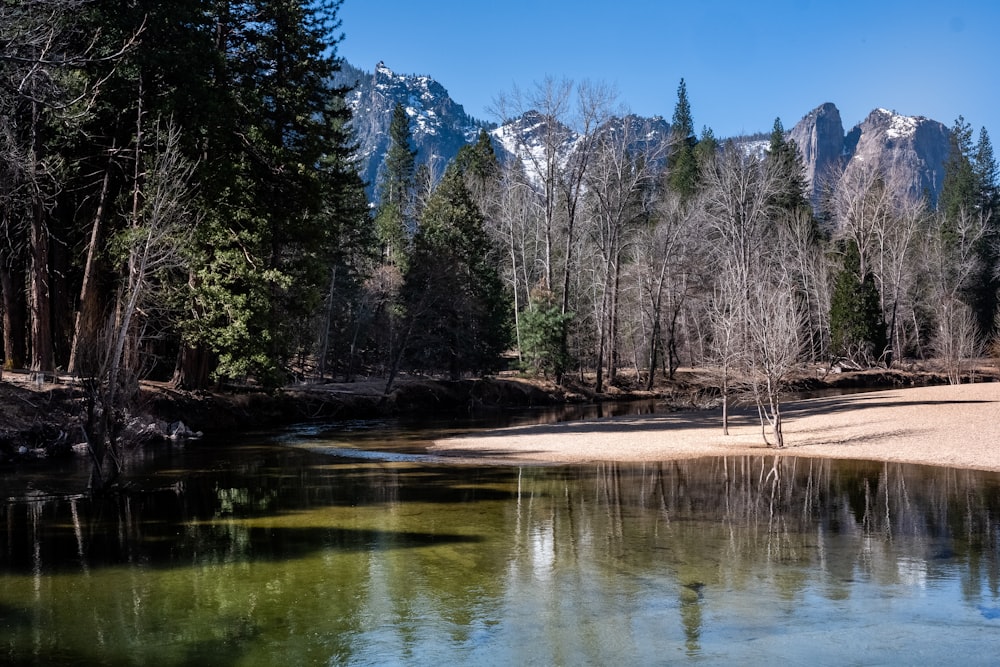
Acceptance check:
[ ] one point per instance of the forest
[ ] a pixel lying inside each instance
(180, 201)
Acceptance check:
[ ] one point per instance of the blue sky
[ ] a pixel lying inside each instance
(744, 62)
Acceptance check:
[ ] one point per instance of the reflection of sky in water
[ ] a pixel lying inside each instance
(265, 554)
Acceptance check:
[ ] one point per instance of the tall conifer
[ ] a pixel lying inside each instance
(958, 189)
(783, 154)
(455, 299)
(394, 223)
(682, 166)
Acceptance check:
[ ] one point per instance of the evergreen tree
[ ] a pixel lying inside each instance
(857, 327)
(247, 88)
(261, 247)
(681, 123)
(543, 328)
(970, 189)
(344, 322)
(351, 249)
(987, 174)
(393, 222)
(46, 95)
(400, 160)
(959, 189)
(784, 156)
(985, 291)
(479, 166)
(706, 148)
(682, 175)
(457, 308)
(478, 162)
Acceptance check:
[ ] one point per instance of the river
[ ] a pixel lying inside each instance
(267, 550)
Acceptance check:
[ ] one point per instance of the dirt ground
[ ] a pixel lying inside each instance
(956, 426)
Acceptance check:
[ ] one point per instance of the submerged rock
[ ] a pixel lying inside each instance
(178, 430)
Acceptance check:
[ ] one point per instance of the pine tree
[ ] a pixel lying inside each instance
(457, 308)
(682, 175)
(987, 174)
(958, 189)
(970, 188)
(857, 327)
(400, 160)
(706, 148)
(394, 223)
(784, 156)
(543, 328)
(478, 162)
(262, 245)
(342, 333)
(985, 292)
(681, 123)
(46, 95)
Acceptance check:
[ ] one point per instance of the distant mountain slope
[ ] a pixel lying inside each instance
(440, 126)
(917, 145)
(527, 136)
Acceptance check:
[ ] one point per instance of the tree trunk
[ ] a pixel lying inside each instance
(613, 355)
(325, 343)
(12, 284)
(602, 319)
(673, 359)
(654, 352)
(87, 317)
(193, 369)
(41, 308)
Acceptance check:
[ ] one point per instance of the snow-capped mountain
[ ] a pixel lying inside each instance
(916, 145)
(438, 124)
(531, 136)
(440, 127)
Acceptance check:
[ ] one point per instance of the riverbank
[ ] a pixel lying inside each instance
(952, 425)
(44, 420)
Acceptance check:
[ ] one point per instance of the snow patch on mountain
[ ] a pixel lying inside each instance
(535, 140)
(438, 125)
(899, 126)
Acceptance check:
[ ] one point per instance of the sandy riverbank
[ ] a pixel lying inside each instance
(957, 426)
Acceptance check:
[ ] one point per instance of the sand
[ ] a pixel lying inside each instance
(955, 426)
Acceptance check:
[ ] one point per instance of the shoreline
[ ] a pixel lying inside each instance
(954, 426)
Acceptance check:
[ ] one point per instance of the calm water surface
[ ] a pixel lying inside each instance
(271, 552)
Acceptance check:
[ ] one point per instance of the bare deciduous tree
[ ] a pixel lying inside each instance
(951, 259)
(554, 137)
(809, 268)
(774, 349)
(874, 207)
(621, 177)
(671, 259)
(150, 247)
(756, 322)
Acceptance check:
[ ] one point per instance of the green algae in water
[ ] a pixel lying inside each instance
(264, 555)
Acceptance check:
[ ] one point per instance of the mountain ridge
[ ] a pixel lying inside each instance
(440, 126)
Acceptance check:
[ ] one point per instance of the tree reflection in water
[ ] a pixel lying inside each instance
(267, 554)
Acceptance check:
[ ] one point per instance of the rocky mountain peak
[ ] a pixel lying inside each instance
(916, 145)
(896, 126)
(439, 126)
(820, 139)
